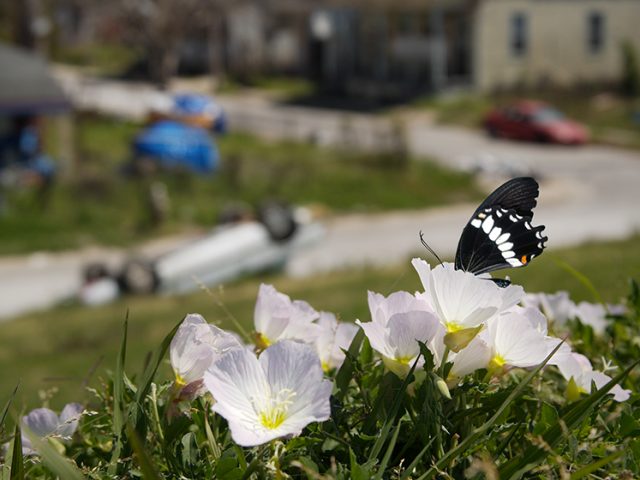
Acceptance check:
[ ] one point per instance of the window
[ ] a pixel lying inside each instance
(519, 34)
(595, 32)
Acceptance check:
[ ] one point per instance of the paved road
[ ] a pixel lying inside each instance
(587, 193)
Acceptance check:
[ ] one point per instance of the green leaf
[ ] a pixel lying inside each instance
(628, 425)
(227, 467)
(190, 452)
(358, 472)
(17, 462)
(60, 465)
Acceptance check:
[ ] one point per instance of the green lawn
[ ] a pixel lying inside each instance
(609, 117)
(101, 206)
(61, 347)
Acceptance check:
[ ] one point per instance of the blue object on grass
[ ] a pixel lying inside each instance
(194, 104)
(176, 145)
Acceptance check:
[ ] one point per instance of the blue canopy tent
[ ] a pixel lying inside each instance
(26, 86)
(27, 91)
(176, 145)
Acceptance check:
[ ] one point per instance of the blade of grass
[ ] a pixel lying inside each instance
(118, 400)
(144, 461)
(211, 439)
(17, 462)
(59, 464)
(345, 374)
(387, 455)
(5, 410)
(582, 278)
(147, 377)
(517, 467)
(470, 440)
(416, 460)
(589, 469)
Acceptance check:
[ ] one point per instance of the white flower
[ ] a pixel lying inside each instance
(383, 308)
(195, 346)
(557, 307)
(276, 318)
(474, 356)
(461, 299)
(593, 314)
(333, 337)
(515, 341)
(578, 367)
(400, 321)
(46, 424)
(274, 396)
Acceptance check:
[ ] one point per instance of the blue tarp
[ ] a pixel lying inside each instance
(193, 104)
(176, 145)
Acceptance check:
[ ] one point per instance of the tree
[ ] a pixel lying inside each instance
(160, 26)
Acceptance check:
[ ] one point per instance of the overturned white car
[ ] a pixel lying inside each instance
(232, 250)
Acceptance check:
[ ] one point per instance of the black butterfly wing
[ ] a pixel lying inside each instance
(497, 238)
(517, 194)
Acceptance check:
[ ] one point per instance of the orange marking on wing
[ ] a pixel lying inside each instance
(524, 259)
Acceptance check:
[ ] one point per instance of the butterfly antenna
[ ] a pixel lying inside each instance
(426, 245)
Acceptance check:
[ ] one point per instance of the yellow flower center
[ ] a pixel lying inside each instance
(453, 327)
(497, 362)
(272, 411)
(180, 382)
(262, 341)
(326, 368)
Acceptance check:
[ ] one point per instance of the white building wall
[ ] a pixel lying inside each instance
(558, 49)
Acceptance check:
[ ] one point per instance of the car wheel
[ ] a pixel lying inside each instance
(138, 276)
(95, 271)
(278, 219)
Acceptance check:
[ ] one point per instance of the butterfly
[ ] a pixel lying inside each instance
(499, 234)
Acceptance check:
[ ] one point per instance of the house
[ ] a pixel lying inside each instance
(393, 48)
(557, 42)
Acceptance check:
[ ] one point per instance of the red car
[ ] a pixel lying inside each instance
(534, 121)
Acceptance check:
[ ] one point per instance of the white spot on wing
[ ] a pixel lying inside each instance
(503, 238)
(499, 213)
(495, 233)
(505, 246)
(513, 219)
(514, 262)
(527, 225)
(487, 225)
(508, 254)
(476, 223)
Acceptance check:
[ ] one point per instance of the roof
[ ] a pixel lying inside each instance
(26, 85)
